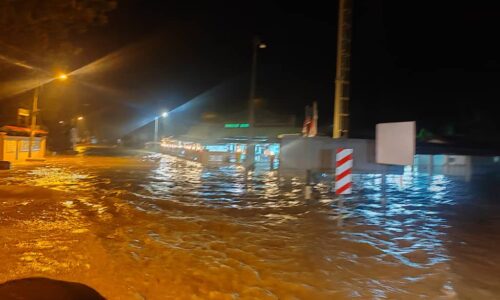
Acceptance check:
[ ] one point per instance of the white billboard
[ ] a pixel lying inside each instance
(395, 143)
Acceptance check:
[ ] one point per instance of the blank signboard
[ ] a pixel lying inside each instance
(395, 143)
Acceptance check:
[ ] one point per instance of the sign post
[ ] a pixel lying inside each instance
(22, 116)
(394, 145)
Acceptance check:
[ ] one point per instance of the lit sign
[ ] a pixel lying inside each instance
(23, 112)
(216, 148)
(236, 125)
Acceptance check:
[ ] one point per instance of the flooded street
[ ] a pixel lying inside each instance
(158, 227)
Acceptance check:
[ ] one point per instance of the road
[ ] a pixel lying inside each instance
(151, 226)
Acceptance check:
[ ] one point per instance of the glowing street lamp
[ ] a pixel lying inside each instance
(34, 113)
(257, 44)
(80, 118)
(62, 77)
(157, 124)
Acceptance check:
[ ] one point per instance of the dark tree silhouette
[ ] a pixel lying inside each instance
(45, 28)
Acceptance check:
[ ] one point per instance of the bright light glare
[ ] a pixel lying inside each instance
(62, 76)
(262, 46)
(165, 114)
(80, 118)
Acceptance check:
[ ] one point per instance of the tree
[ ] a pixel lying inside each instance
(45, 28)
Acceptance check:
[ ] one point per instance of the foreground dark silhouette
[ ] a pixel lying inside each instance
(46, 289)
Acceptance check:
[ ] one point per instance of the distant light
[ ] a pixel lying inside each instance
(165, 114)
(80, 118)
(262, 46)
(236, 125)
(61, 122)
(62, 76)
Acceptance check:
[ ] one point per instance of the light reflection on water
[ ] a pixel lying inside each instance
(179, 230)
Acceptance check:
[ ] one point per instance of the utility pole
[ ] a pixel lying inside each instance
(34, 113)
(343, 69)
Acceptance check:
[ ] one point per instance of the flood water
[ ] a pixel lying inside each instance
(158, 227)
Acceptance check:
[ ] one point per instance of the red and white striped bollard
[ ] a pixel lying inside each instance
(343, 172)
(343, 177)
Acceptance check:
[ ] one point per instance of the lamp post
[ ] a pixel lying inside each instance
(157, 125)
(250, 156)
(34, 113)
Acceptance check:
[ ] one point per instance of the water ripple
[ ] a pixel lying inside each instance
(179, 230)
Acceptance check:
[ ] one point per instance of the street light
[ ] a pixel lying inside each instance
(80, 118)
(257, 44)
(62, 76)
(163, 115)
(34, 112)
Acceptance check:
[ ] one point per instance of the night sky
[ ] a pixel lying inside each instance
(434, 63)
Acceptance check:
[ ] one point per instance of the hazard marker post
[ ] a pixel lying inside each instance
(343, 177)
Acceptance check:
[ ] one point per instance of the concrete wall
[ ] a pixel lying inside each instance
(456, 165)
(15, 148)
(298, 154)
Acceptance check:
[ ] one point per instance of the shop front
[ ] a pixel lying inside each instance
(16, 148)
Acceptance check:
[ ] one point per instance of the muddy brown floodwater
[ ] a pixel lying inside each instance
(158, 227)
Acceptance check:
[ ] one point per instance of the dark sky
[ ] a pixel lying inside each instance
(184, 50)
(412, 60)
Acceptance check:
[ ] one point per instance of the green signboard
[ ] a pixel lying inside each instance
(236, 125)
